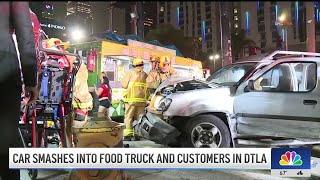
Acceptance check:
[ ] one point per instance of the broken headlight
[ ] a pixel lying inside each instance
(164, 104)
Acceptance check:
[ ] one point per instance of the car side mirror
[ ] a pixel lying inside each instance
(250, 86)
(264, 82)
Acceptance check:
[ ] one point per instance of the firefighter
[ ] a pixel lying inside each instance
(157, 76)
(155, 62)
(136, 98)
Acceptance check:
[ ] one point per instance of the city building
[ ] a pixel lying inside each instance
(197, 19)
(130, 12)
(79, 16)
(150, 15)
(51, 17)
(262, 22)
(259, 19)
(106, 18)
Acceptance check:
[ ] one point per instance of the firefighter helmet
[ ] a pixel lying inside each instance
(54, 42)
(137, 61)
(165, 60)
(155, 59)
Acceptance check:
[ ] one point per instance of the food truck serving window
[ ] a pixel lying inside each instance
(110, 75)
(108, 66)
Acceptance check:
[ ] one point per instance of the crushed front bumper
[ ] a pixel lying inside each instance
(151, 127)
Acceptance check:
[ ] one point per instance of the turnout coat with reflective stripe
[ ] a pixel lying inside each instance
(155, 77)
(135, 83)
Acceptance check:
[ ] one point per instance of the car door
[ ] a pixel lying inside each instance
(283, 101)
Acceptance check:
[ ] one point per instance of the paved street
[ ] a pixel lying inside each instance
(175, 174)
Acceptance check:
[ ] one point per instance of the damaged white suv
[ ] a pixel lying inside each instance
(268, 101)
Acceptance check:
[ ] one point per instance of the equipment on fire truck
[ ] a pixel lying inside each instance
(91, 60)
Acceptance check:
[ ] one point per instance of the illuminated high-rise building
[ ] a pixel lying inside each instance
(51, 17)
(79, 15)
(150, 15)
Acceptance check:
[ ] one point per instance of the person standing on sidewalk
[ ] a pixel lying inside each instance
(136, 99)
(105, 95)
(14, 16)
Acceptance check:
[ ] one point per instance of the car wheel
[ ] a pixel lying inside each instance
(205, 131)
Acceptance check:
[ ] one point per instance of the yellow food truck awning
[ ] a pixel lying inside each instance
(115, 49)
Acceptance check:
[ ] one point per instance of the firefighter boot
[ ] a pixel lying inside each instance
(128, 134)
(136, 138)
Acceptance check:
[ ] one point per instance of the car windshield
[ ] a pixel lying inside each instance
(230, 75)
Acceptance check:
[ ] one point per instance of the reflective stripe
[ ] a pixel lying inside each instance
(136, 100)
(81, 105)
(132, 86)
(127, 132)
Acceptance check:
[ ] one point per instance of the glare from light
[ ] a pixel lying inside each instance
(215, 57)
(133, 15)
(282, 18)
(77, 34)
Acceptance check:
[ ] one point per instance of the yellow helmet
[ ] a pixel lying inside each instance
(137, 61)
(165, 60)
(54, 42)
(155, 58)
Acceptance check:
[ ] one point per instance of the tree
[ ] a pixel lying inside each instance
(167, 34)
(239, 41)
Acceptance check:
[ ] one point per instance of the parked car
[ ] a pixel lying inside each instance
(260, 100)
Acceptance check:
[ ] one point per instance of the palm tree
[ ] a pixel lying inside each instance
(239, 41)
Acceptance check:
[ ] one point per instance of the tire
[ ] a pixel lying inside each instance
(33, 173)
(223, 133)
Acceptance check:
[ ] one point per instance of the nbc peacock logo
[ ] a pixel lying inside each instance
(290, 159)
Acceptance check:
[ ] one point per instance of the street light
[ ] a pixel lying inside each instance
(77, 35)
(214, 58)
(282, 19)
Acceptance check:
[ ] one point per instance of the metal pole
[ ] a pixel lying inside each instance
(286, 29)
(311, 34)
(140, 19)
(91, 25)
(214, 65)
(221, 35)
(111, 14)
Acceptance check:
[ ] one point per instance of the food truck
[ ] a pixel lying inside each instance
(115, 60)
